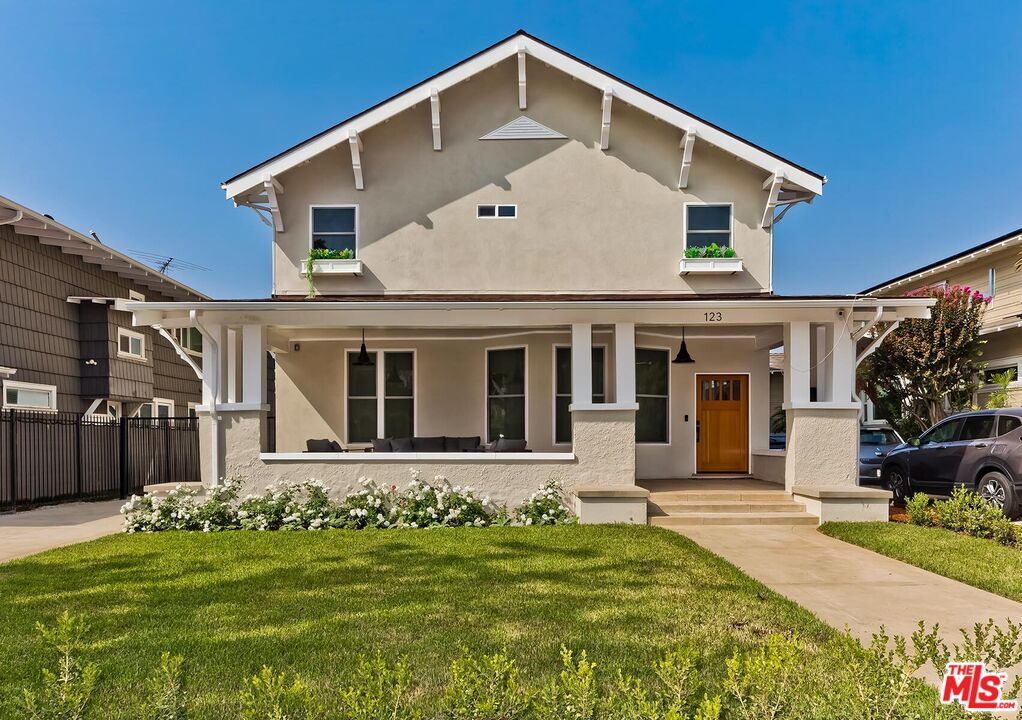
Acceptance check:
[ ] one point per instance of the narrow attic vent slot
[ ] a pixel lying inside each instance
(523, 128)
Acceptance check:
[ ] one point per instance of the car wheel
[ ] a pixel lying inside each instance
(998, 490)
(897, 483)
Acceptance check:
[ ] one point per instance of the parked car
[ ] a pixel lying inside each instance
(979, 450)
(876, 440)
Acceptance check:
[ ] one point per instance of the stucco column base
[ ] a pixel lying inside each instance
(603, 441)
(822, 447)
(595, 505)
(242, 432)
(845, 504)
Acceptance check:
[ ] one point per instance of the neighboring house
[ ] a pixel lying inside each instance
(510, 240)
(66, 341)
(990, 268)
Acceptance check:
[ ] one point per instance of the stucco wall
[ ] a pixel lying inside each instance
(823, 447)
(588, 219)
(450, 389)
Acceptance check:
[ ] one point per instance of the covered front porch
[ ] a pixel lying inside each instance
(506, 395)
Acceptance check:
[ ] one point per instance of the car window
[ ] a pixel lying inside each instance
(1007, 423)
(879, 436)
(978, 427)
(945, 432)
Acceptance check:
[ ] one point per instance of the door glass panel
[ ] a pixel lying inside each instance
(978, 427)
(736, 389)
(725, 390)
(705, 390)
(715, 389)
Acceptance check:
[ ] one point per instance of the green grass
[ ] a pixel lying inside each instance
(980, 563)
(311, 602)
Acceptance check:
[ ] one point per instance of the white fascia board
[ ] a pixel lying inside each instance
(554, 58)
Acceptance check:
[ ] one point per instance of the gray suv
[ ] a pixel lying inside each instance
(980, 450)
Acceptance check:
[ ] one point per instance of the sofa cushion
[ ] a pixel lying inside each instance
(506, 445)
(401, 445)
(461, 444)
(319, 446)
(428, 444)
(382, 445)
(335, 446)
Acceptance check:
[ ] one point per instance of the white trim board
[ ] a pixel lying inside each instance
(447, 458)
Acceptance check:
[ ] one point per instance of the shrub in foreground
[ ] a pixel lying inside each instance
(779, 679)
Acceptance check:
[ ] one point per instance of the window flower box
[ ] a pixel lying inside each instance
(710, 266)
(332, 266)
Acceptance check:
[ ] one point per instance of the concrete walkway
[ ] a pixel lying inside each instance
(845, 585)
(26, 533)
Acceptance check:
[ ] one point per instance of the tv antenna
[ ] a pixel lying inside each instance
(167, 263)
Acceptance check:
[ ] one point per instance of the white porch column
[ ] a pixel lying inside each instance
(624, 362)
(214, 365)
(824, 337)
(796, 363)
(233, 364)
(582, 364)
(842, 364)
(253, 339)
(223, 363)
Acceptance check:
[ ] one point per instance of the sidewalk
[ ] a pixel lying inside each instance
(26, 533)
(845, 585)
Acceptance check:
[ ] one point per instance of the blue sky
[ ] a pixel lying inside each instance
(124, 117)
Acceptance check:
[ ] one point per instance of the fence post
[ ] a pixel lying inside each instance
(124, 457)
(14, 460)
(78, 456)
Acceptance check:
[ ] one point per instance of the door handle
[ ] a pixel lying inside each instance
(981, 445)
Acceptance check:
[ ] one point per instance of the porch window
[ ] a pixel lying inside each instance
(130, 344)
(707, 224)
(29, 396)
(505, 393)
(562, 389)
(652, 380)
(372, 414)
(335, 228)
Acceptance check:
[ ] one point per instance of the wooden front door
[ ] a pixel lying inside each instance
(722, 423)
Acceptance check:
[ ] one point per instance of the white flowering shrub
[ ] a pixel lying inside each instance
(546, 506)
(439, 504)
(308, 506)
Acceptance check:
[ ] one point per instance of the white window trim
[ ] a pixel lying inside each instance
(553, 384)
(670, 395)
(486, 388)
(380, 366)
(138, 411)
(496, 210)
(124, 332)
(115, 404)
(731, 228)
(313, 208)
(179, 334)
(18, 385)
(136, 295)
(157, 402)
(1001, 365)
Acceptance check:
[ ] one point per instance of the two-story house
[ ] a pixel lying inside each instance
(66, 341)
(525, 268)
(990, 268)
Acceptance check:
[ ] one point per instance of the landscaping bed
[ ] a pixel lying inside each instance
(312, 602)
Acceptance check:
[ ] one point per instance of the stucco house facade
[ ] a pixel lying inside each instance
(505, 293)
(990, 268)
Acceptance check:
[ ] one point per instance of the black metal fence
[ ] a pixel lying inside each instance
(57, 457)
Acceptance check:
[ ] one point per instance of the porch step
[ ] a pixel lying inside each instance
(688, 507)
(734, 518)
(756, 496)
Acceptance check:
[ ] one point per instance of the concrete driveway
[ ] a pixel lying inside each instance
(32, 531)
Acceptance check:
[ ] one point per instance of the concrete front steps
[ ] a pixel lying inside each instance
(723, 501)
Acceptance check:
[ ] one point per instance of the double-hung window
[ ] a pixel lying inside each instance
(505, 393)
(562, 389)
(652, 382)
(335, 228)
(381, 398)
(130, 344)
(190, 340)
(707, 224)
(29, 396)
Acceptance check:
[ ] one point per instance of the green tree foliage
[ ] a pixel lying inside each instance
(1000, 398)
(927, 368)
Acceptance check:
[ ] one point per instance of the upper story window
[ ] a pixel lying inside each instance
(29, 396)
(130, 344)
(707, 224)
(335, 228)
(500, 212)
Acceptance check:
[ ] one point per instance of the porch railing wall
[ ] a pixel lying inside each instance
(61, 457)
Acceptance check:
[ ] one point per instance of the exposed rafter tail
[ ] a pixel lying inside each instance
(687, 144)
(608, 99)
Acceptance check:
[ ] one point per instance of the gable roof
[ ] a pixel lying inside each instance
(532, 46)
(976, 251)
(48, 231)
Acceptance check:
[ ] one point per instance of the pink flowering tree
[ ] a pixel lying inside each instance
(926, 369)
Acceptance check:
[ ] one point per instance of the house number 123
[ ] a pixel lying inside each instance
(713, 316)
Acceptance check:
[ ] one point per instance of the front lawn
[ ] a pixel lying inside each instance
(977, 562)
(310, 602)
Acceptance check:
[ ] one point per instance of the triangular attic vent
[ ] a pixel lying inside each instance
(523, 128)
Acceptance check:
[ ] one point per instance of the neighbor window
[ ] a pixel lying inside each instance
(708, 224)
(508, 212)
(562, 390)
(144, 410)
(164, 408)
(335, 228)
(136, 295)
(29, 396)
(505, 393)
(190, 340)
(388, 414)
(992, 281)
(990, 371)
(130, 344)
(652, 379)
(113, 408)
